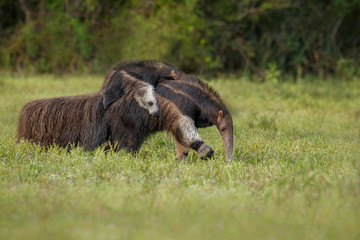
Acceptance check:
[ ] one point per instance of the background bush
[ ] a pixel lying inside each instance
(294, 37)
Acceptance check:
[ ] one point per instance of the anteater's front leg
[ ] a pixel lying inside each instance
(187, 136)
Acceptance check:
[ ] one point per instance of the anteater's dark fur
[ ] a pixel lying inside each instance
(149, 71)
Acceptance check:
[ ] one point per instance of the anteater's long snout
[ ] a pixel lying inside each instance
(226, 129)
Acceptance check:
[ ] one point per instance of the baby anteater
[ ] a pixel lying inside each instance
(140, 75)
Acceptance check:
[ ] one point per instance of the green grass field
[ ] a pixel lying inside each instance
(295, 173)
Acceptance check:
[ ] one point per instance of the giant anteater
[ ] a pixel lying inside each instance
(184, 105)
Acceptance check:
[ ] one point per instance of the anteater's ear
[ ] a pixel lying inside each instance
(174, 75)
(220, 116)
(112, 93)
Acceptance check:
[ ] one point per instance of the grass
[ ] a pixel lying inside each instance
(295, 173)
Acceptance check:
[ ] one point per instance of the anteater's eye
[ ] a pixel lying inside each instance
(223, 129)
(150, 103)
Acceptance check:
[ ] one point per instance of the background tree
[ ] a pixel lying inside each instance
(294, 37)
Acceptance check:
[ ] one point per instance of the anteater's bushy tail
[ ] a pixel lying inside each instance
(63, 121)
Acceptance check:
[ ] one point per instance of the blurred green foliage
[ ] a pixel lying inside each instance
(258, 36)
